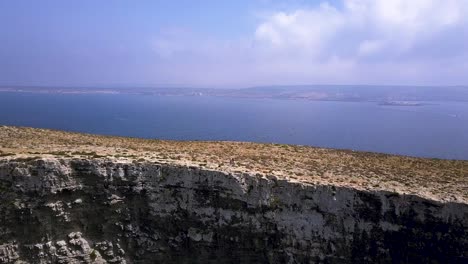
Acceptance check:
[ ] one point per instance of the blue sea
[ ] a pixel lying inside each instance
(436, 129)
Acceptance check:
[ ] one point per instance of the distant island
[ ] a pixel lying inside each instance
(384, 95)
(402, 103)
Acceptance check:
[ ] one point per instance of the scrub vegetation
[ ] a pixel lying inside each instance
(445, 180)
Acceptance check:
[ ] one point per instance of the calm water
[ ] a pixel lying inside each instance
(439, 130)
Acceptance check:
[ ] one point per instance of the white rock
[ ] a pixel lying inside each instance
(61, 243)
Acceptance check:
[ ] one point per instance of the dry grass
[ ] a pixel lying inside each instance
(431, 178)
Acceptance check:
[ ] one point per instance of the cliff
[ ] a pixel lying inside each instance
(62, 204)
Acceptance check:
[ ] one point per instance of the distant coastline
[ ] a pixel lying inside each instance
(402, 103)
(383, 95)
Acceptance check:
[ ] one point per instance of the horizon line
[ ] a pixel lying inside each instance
(168, 86)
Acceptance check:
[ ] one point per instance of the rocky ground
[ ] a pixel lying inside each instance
(79, 198)
(443, 180)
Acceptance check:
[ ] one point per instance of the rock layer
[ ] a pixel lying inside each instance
(61, 210)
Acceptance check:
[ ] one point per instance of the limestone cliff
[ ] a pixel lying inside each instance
(97, 210)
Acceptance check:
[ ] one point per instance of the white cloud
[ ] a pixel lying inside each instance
(303, 29)
(362, 26)
(358, 41)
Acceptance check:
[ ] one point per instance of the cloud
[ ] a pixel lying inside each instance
(357, 41)
(307, 30)
(362, 27)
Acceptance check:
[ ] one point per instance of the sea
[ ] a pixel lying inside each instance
(431, 129)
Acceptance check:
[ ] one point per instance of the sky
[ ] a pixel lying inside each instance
(242, 43)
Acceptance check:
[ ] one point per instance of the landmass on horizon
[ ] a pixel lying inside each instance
(383, 94)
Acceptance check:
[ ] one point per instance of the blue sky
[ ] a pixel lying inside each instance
(233, 43)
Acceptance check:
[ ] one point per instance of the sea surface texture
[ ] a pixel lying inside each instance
(435, 129)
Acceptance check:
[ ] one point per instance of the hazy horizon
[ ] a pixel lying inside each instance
(237, 44)
(164, 86)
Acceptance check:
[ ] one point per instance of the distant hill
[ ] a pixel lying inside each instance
(354, 93)
(359, 93)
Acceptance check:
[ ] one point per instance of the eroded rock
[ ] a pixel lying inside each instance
(95, 211)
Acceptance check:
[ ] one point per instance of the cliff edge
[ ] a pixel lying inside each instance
(78, 198)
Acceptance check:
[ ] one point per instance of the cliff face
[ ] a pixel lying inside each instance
(97, 211)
